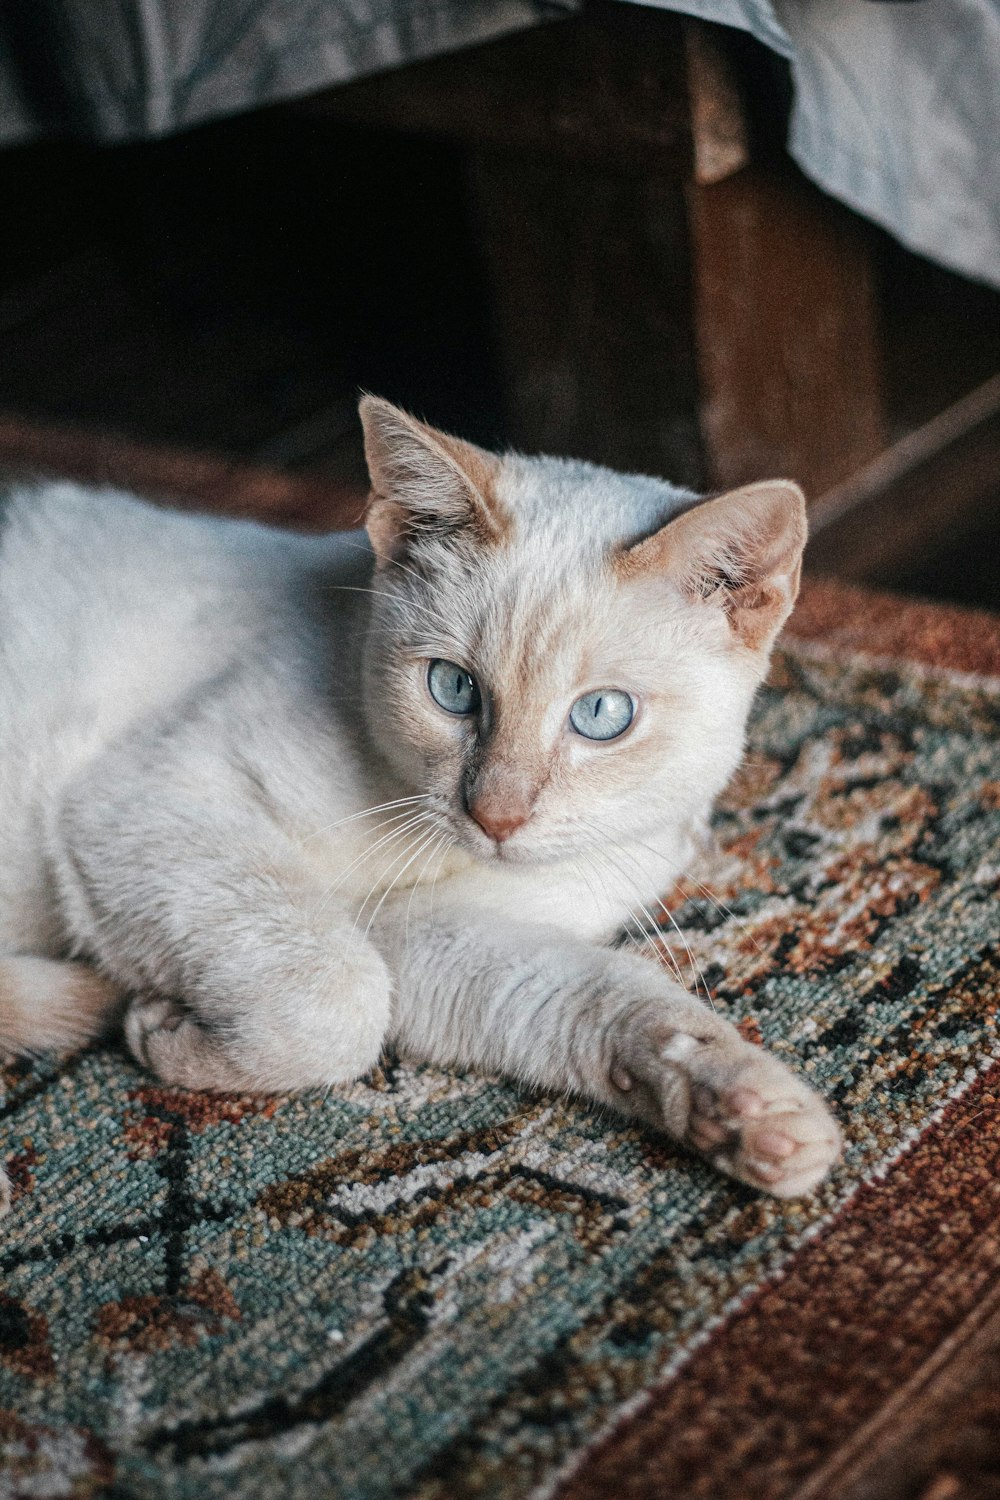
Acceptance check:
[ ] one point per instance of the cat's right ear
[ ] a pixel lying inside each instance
(424, 482)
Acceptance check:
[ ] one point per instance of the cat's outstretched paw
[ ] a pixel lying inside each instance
(740, 1107)
(773, 1136)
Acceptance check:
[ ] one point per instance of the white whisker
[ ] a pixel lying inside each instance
(413, 832)
(727, 911)
(449, 843)
(435, 848)
(696, 972)
(713, 899)
(653, 939)
(422, 845)
(412, 821)
(367, 812)
(405, 601)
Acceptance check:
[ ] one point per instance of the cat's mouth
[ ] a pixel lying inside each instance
(491, 851)
(516, 849)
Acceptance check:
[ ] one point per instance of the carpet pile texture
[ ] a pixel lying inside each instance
(431, 1285)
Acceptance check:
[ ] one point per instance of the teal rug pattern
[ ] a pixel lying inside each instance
(431, 1285)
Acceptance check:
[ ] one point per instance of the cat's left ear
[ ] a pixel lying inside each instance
(741, 552)
(424, 482)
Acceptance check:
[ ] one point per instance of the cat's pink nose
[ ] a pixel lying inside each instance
(497, 823)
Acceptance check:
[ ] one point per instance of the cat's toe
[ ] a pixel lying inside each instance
(146, 1016)
(773, 1133)
(787, 1154)
(167, 1040)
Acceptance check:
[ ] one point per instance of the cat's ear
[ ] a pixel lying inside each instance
(423, 481)
(741, 552)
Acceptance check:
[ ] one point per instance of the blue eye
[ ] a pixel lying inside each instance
(602, 715)
(453, 688)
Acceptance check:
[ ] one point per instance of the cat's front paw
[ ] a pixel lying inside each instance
(164, 1036)
(255, 1056)
(740, 1107)
(773, 1133)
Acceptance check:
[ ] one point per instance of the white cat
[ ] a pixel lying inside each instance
(275, 800)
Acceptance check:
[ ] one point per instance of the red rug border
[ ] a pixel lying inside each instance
(820, 1312)
(850, 618)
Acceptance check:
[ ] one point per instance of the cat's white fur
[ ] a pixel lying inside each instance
(197, 715)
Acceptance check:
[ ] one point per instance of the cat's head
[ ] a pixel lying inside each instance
(559, 655)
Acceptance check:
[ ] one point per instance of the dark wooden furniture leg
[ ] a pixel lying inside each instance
(661, 301)
(785, 331)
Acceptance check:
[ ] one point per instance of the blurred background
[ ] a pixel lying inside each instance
(570, 228)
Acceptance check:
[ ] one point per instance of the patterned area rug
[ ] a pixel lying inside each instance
(430, 1285)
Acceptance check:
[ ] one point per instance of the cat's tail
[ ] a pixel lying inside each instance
(46, 1005)
(50, 1006)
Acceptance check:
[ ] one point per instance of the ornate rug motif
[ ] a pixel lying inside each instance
(430, 1285)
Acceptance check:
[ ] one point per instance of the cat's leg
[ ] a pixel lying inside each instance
(282, 1031)
(324, 1024)
(245, 976)
(559, 1014)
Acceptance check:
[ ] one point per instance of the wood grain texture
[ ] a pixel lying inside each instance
(605, 87)
(719, 339)
(784, 312)
(896, 511)
(178, 477)
(590, 295)
(720, 130)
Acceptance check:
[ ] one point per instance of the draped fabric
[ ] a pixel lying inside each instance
(896, 106)
(896, 112)
(123, 70)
